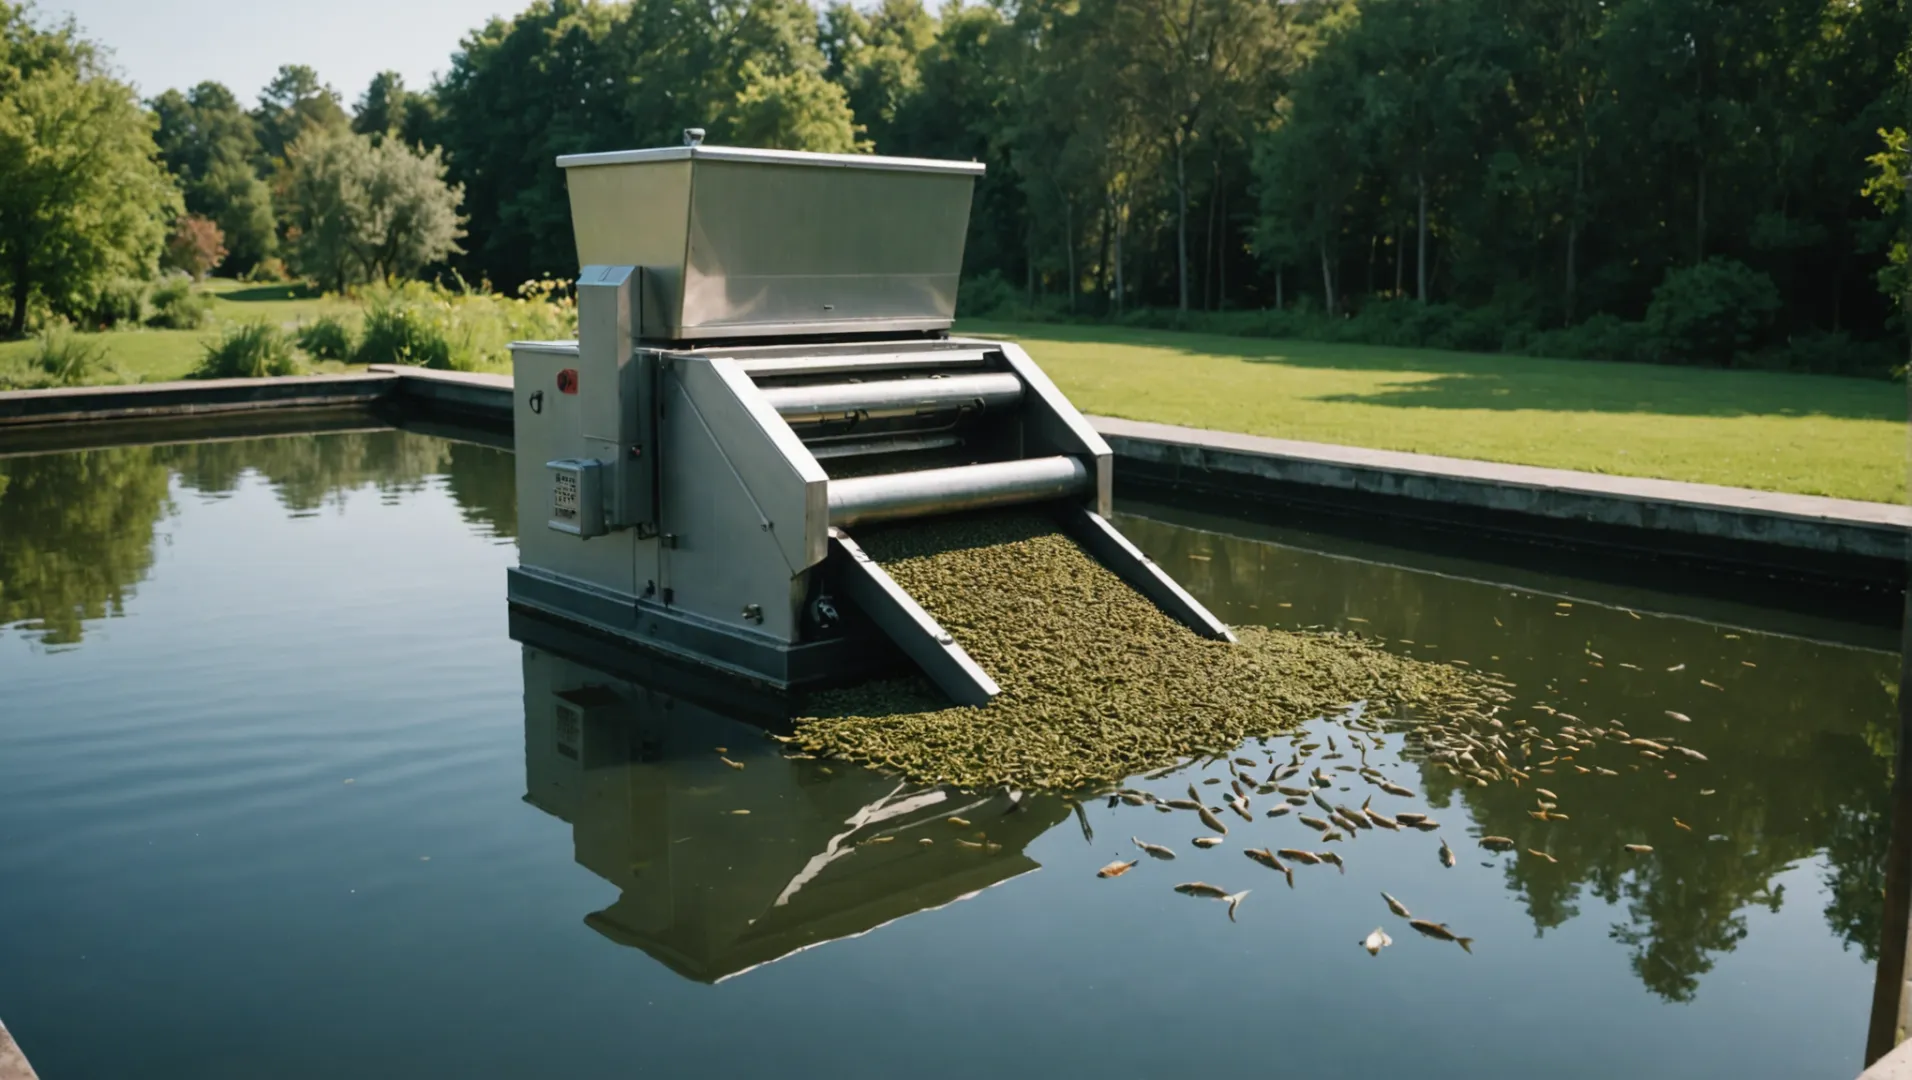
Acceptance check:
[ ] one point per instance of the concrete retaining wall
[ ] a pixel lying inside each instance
(1831, 539)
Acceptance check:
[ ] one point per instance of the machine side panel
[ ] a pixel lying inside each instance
(636, 215)
(1113, 550)
(739, 496)
(548, 432)
(1052, 425)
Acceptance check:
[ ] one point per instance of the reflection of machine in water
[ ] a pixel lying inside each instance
(634, 768)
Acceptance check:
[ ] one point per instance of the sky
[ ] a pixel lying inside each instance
(161, 44)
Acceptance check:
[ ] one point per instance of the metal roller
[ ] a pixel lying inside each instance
(865, 499)
(830, 401)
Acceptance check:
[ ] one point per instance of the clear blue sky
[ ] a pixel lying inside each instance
(158, 44)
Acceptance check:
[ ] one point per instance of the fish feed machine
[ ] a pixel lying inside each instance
(764, 366)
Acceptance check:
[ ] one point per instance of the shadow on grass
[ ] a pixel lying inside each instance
(298, 291)
(1507, 383)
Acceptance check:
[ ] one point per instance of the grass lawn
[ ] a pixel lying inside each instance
(1812, 434)
(161, 355)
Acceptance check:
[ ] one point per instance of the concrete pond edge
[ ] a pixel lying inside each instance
(1833, 539)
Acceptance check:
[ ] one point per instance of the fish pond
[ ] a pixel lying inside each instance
(281, 794)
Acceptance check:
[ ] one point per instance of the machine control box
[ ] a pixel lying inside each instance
(577, 497)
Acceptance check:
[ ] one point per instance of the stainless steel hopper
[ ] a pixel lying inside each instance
(762, 366)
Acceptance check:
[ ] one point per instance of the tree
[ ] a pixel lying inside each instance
(195, 246)
(294, 102)
(83, 196)
(797, 110)
(387, 110)
(362, 212)
(209, 144)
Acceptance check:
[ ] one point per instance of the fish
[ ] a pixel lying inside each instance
(1396, 789)
(1246, 762)
(1604, 771)
(1204, 889)
(1427, 825)
(1331, 836)
(1210, 820)
(1383, 820)
(1681, 824)
(879, 839)
(1182, 804)
(1284, 773)
(1313, 822)
(1267, 859)
(1294, 791)
(1206, 841)
(1132, 798)
(740, 813)
(1235, 786)
(1297, 800)
(1542, 855)
(1690, 752)
(1714, 685)
(1279, 810)
(1155, 851)
(1306, 858)
(960, 823)
(926, 841)
(1447, 854)
(1680, 716)
(1242, 809)
(1193, 794)
(1496, 843)
(732, 764)
(972, 845)
(1440, 932)
(1639, 849)
(1376, 941)
(1116, 869)
(721, 749)
(1322, 779)
(1331, 857)
(1324, 804)
(1397, 907)
(1545, 792)
(1651, 754)
(1708, 791)
(1677, 667)
(1307, 746)
(1647, 743)
(1211, 781)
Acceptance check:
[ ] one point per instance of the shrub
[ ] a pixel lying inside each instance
(986, 294)
(1603, 337)
(248, 351)
(1830, 354)
(122, 300)
(178, 306)
(327, 339)
(266, 271)
(195, 246)
(1714, 312)
(461, 330)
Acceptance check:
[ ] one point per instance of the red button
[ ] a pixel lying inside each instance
(568, 381)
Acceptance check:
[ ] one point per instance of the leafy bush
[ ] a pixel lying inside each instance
(456, 329)
(178, 306)
(64, 358)
(1832, 354)
(1714, 312)
(248, 351)
(986, 294)
(405, 334)
(1603, 337)
(266, 271)
(327, 339)
(122, 300)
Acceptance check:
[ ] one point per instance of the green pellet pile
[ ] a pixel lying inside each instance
(1097, 684)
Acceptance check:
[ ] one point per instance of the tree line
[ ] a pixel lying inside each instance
(1724, 173)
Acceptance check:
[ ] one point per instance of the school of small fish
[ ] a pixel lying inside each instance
(1496, 744)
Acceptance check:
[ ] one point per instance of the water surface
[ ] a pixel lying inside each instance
(280, 795)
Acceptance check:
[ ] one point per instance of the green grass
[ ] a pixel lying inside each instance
(1811, 434)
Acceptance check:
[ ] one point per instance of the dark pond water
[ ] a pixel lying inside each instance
(280, 796)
